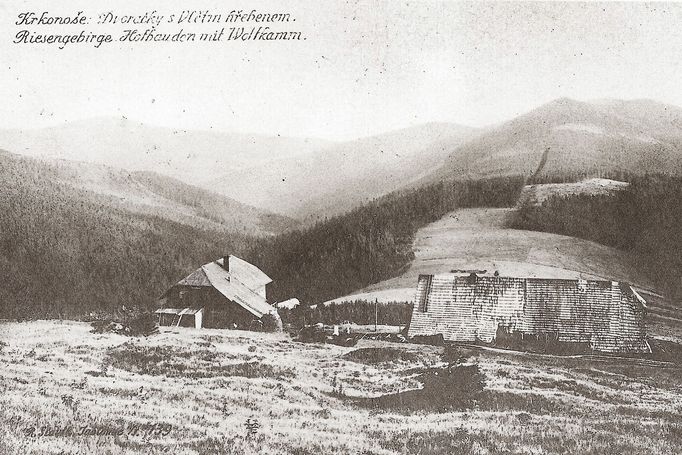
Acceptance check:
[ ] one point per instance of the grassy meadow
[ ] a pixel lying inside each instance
(184, 391)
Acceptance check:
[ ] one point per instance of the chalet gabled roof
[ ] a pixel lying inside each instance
(234, 290)
(196, 278)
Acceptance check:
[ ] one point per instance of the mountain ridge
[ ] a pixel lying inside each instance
(150, 193)
(342, 176)
(582, 137)
(312, 179)
(189, 155)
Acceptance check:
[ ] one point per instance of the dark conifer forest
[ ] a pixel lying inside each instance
(645, 219)
(67, 252)
(371, 243)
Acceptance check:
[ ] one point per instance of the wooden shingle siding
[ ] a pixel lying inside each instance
(607, 315)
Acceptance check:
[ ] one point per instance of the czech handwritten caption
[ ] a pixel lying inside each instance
(185, 26)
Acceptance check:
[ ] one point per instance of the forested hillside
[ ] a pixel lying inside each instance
(371, 243)
(65, 251)
(644, 218)
(230, 214)
(149, 193)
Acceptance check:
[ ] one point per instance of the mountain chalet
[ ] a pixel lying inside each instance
(554, 314)
(226, 293)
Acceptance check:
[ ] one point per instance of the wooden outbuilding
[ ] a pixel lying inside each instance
(565, 315)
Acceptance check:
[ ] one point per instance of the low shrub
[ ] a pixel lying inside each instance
(271, 322)
(380, 355)
(444, 389)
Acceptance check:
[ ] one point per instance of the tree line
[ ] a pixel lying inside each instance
(644, 219)
(356, 311)
(370, 243)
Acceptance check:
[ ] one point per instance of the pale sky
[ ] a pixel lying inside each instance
(366, 66)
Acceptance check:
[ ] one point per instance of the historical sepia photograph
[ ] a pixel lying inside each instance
(367, 227)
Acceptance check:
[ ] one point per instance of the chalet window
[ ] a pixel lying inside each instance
(424, 291)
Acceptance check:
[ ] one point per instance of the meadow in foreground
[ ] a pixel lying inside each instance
(184, 391)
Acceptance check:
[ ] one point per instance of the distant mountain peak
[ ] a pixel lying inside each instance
(564, 103)
(564, 100)
(632, 136)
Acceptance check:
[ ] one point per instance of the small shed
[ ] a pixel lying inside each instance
(289, 304)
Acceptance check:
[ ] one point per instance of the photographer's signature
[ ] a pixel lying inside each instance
(145, 430)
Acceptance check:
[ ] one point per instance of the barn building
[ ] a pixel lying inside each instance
(226, 293)
(549, 314)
